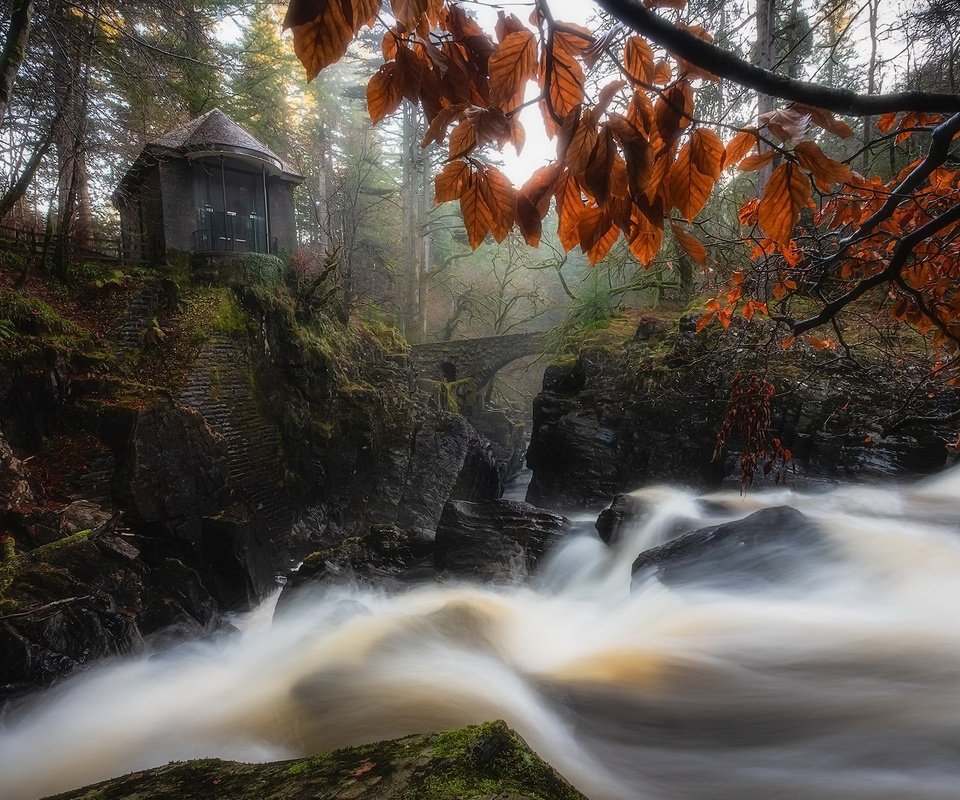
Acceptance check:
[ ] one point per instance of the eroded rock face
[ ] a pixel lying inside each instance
(473, 763)
(178, 465)
(494, 539)
(648, 410)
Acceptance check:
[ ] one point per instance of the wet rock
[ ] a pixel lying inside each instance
(494, 539)
(178, 465)
(647, 409)
(479, 762)
(624, 510)
(772, 546)
(383, 557)
(82, 515)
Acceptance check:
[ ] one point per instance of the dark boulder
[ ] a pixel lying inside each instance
(383, 557)
(15, 491)
(624, 509)
(494, 539)
(770, 547)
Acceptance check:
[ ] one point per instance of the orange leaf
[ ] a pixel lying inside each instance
(596, 176)
(825, 170)
(569, 210)
(597, 233)
(672, 110)
(501, 199)
(575, 39)
(566, 82)
(820, 344)
(705, 320)
(529, 220)
(706, 152)
(390, 44)
(662, 73)
(758, 161)
(646, 238)
(787, 343)
(824, 119)
(786, 194)
(690, 244)
(787, 124)
(476, 215)
(739, 146)
(463, 139)
(451, 181)
(581, 145)
(322, 30)
(510, 67)
(383, 92)
(437, 130)
(638, 60)
(689, 188)
(408, 11)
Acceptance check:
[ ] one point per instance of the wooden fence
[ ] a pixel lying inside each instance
(93, 248)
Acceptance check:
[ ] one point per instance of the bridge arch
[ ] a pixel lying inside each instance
(479, 359)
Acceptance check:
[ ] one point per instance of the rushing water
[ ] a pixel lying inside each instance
(839, 679)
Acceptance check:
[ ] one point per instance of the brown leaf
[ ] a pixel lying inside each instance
(463, 140)
(383, 92)
(391, 41)
(646, 238)
(575, 39)
(529, 220)
(437, 129)
(506, 25)
(824, 119)
(638, 60)
(758, 161)
(451, 181)
(787, 124)
(581, 145)
(409, 73)
(565, 76)
(597, 233)
(825, 170)
(640, 112)
(672, 111)
(518, 136)
(786, 194)
(706, 152)
(322, 39)
(501, 199)
(596, 177)
(662, 74)
(690, 244)
(739, 146)
(476, 215)
(408, 11)
(490, 124)
(689, 188)
(510, 67)
(607, 93)
(569, 210)
(541, 186)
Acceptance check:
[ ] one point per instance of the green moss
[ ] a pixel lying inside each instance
(480, 761)
(13, 564)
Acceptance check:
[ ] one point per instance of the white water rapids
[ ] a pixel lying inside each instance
(840, 679)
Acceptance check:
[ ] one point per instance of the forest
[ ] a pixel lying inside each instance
(458, 399)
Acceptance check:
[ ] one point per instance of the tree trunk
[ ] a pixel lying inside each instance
(410, 236)
(873, 9)
(766, 55)
(19, 187)
(14, 49)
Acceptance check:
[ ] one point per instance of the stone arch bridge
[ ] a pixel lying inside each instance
(479, 359)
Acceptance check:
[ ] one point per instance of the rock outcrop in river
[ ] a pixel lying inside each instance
(643, 402)
(480, 761)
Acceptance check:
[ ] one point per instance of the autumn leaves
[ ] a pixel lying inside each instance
(629, 160)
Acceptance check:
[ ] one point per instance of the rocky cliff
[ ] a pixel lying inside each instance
(168, 448)
(643, 402)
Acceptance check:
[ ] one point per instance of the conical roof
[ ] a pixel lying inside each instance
(211, 133)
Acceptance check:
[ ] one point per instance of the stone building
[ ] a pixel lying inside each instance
(207, 187)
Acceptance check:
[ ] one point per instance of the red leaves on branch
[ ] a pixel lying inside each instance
(787, 192)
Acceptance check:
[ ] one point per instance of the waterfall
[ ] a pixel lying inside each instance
(838, 678)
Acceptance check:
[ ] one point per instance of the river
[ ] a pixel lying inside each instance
(838, 678)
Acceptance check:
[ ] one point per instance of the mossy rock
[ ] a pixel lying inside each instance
(477, 762)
